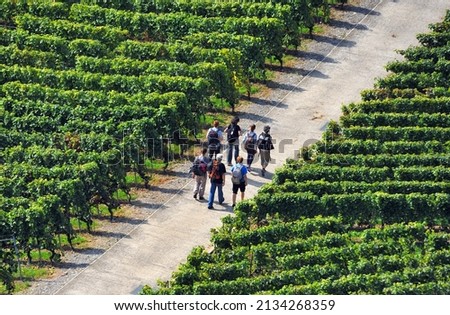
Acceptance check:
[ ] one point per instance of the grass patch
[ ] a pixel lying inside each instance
(30, 272)
(121, 195)
(77, 240)
(219, 103)
(154, 164)
(253, 90)
(44, 255)
(19, 287)
(207, 120)
(287, 59)
(317, 29)
(175, 148)
(80, 226)
(133, 178)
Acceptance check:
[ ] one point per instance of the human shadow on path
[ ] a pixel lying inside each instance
(255, 174)
(225, 207)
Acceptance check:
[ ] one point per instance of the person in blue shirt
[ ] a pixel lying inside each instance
(238, 178)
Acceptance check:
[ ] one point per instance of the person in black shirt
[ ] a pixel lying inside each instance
(233, 133)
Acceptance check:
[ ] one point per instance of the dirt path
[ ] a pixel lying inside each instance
(303, 99)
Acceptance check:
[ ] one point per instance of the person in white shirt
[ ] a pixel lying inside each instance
(199, 173)
(214, 137)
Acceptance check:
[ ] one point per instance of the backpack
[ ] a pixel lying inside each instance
(250, 143)
(265, 142)
(236, 175)
(214, 172)
(213, 137)
(232, 132)
(199, 167)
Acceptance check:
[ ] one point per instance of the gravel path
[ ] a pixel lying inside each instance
(170, 205)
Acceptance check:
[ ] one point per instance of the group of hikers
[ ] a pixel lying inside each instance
(208, 163)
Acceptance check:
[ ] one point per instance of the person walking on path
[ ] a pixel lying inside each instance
(214, 136)
(238, 178)
(217, 175)
(265, 145)
(233, 133)
(249, 142)
(199, 173)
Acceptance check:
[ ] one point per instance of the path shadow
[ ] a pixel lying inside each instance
(348, 25)
(146, 205)
(257, 118)
(318, 74)
(254, 181)
(89, 251)
(225, 207)
(174, 173)
(335, 41)
(360, 10)
(266, 102)
(120, 219)
(302, 73)
(116, 235)
(71, 265)
(166, 190)
(283, 86)
(287, 69)
(315, 56)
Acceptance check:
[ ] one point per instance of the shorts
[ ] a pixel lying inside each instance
(237, 187)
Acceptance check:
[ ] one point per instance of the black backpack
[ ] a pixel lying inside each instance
(232, 132)
(265, 141)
